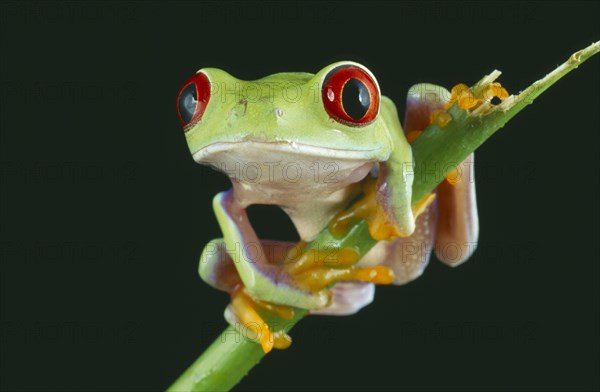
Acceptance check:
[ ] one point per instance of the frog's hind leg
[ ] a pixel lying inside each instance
(301, 278)
(457, 227)
(348, 298)
(458, 223)
(408, 256)
(422, 101)
(447, 225)
(243, 314)
(217, 268)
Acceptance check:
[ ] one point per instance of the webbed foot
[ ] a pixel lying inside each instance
(243, 313)
(306, 273)
(318, 269)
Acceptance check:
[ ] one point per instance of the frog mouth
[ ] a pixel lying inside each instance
(254, 147)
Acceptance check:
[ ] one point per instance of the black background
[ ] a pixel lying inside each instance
(104, 213)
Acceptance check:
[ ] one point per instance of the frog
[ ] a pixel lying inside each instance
(310, 144)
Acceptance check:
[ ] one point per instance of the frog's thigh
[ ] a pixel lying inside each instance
(421, 101)
(348, 298)
(458, 226)
(217, 268)
(407, 256)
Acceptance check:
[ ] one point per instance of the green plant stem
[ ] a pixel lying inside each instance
(231, 356)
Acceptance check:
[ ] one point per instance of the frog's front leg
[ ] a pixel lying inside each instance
(266, 279)
(261, 277)
(218, 270)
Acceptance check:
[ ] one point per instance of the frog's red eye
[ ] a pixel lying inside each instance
(350, 95)
(192, 99)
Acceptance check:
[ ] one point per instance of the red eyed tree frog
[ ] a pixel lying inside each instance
(309, 143)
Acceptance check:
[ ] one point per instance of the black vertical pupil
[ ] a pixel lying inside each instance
(355, 98)
(188, 100)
